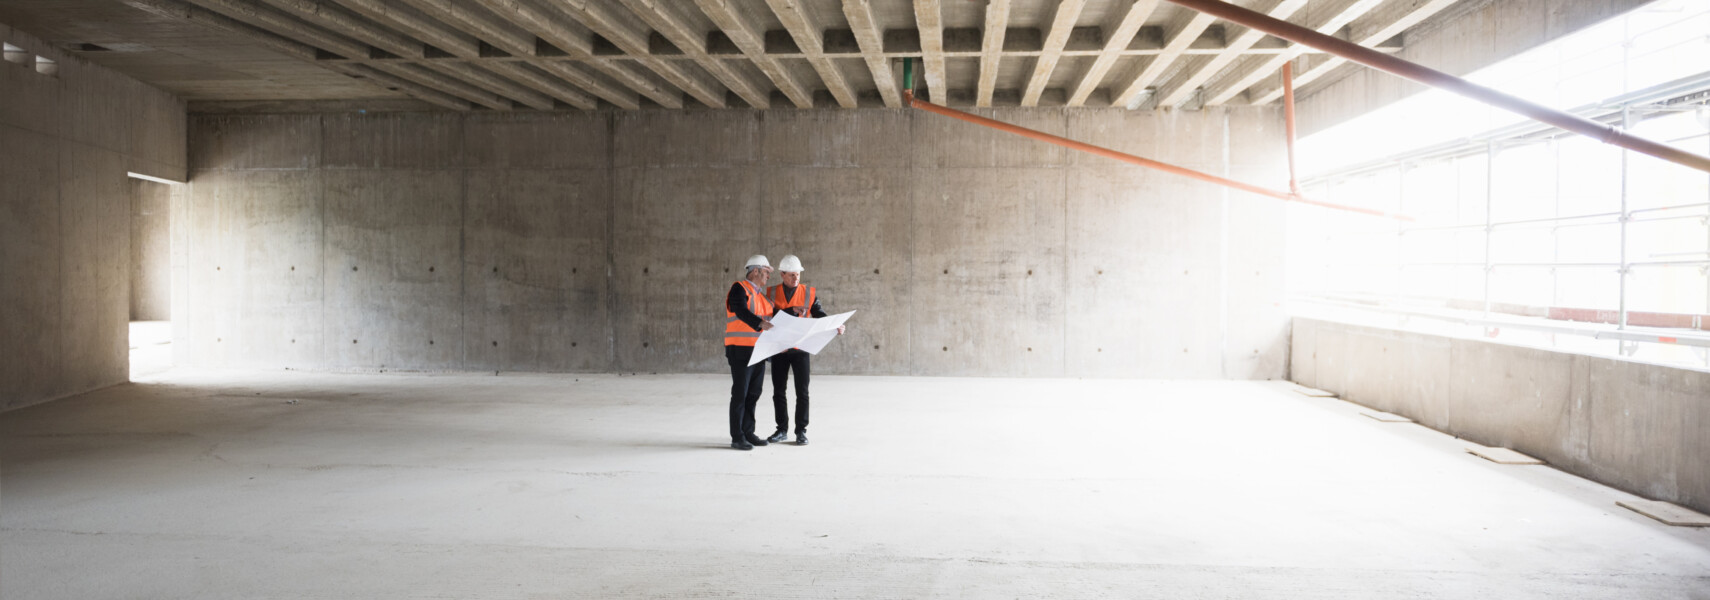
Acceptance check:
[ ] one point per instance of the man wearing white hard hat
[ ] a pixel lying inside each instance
(802, 301)
(746, 313)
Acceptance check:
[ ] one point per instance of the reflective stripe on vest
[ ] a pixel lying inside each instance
(737, 333)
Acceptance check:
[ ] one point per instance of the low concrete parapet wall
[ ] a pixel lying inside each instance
(1638, 427)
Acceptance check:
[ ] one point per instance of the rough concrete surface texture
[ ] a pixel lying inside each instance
(605, 242)
(1639, 427)
(66, 142)
(246, 484)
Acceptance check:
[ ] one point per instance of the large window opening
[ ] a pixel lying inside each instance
(1526, 233)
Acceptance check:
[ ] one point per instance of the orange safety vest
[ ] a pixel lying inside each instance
(802, 298)
(737, 333)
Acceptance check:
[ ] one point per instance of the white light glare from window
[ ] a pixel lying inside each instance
(1661, 42)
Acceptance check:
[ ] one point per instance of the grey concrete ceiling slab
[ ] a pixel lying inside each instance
(588, 54)
(190, 60)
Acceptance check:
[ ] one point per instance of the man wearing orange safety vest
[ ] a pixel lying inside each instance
(746, 314)
(802, 301)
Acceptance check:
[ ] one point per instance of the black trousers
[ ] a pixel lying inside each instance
(782, 365)
(745, 388)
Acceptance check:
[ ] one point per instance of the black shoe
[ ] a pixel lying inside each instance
(754, 439)
(801, 438)
(777, 437)
(741, 445)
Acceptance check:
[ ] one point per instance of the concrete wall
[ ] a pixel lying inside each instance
(66, 143)
(605, 241)
(1465, 38)
(1638, 427)
(151, 262)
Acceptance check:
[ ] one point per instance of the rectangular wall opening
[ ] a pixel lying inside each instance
(151, 276)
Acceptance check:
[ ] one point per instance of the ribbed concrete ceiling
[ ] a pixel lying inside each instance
(586, 54)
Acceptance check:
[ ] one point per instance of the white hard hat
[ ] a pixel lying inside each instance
(758, 260)
(790, 264)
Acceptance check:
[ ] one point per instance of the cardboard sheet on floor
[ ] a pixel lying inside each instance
(1386, 417)
(1313, 392)
(1671, 514)
(811, 335)
(1503, 456)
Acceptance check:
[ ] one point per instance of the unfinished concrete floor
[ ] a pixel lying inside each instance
(242, 484)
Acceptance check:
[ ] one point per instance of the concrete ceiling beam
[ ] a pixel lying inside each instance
(353, 26)
(463, 44)
(389, 81)
(446, 83)
(753, 45)
(505, 87)
(271, 20)
(1063, 23)
(577, 41)
(622, 98)
(872, 44)
(631, 40)
(663, 18)
(551, 53)
(1223, 93)
(1182, 34)
(1185, 89)
(341, 21)
(447, 39)
(1122, 35)
(506, 37)
(807, 37)
(551, 86)
(178, 9)
(465, 16)
(991, 50)
(294, 49)
(1389, 29)
(929, 19)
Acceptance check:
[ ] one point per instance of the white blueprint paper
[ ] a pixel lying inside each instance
(795, 332)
